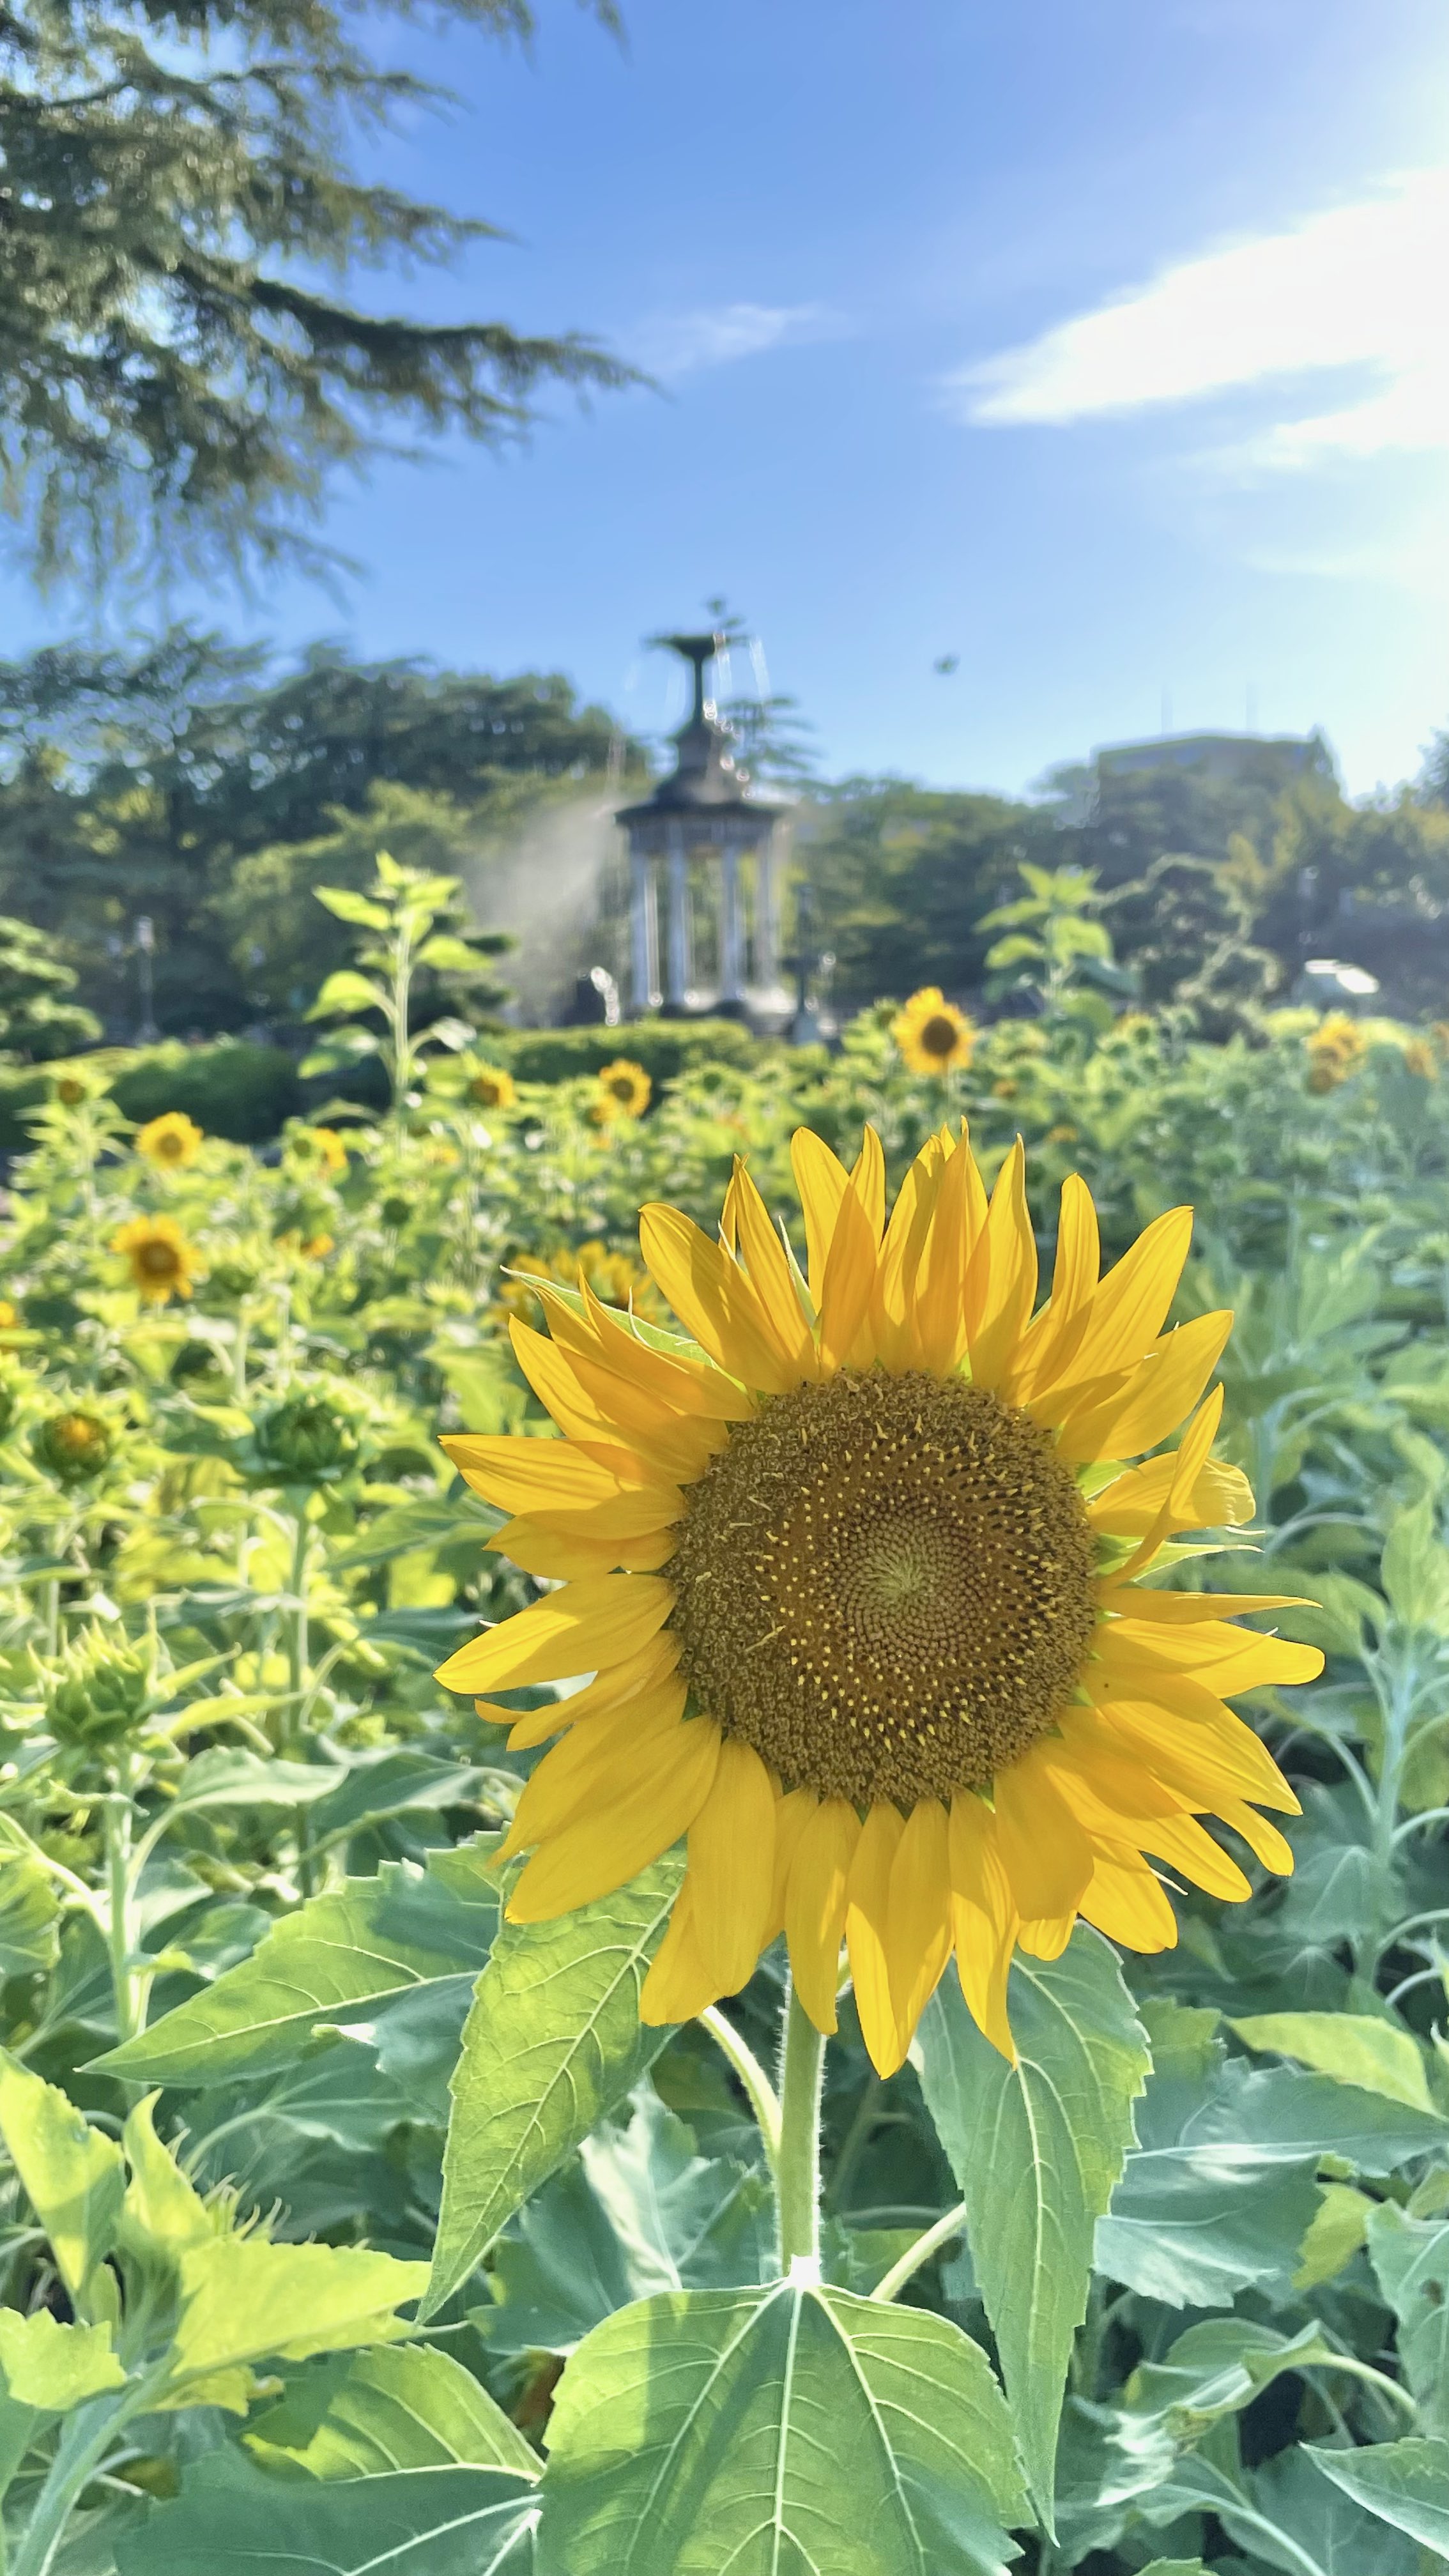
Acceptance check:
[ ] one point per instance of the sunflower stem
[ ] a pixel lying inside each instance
(797, 2177)
(760, 2091)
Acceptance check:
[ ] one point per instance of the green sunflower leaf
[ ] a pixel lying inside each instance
(1036, 2150)
(1403, 2483)
(761, 2430)
(348, 1956)
(233, 2518)
(553, 2043)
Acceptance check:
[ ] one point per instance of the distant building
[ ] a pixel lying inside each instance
(1236, 759)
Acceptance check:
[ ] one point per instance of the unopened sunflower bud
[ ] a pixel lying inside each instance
(74, 1446)
(309, 1435)
(100, 1690)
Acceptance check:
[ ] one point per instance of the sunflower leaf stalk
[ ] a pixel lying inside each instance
(797, 2173)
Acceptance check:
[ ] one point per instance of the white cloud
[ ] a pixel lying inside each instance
(1358, 287)
(677, 344)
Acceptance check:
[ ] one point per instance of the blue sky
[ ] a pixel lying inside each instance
(1093, 342)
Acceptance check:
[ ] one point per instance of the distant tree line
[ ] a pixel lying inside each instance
(196, 786)
(193, 786)
(1216, 891)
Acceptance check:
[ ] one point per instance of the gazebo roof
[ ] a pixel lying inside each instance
(704, 779)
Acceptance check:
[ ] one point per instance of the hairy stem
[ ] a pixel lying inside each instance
(797, 2179)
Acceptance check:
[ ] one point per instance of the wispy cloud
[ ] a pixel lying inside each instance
(679, 344)
(1355, 288)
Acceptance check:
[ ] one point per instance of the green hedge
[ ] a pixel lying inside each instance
(665, 1048)
(246, 1092)
(231, 1089)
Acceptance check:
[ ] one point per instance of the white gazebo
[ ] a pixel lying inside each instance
(703, 868)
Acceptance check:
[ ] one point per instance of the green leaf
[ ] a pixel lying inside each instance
(1415, 1568)
(1354, 2048)
(1220, 2192)
(223, 1778)
(388, 1782)
(243, 2300)
(1175, 2567)
(792, 2429)
(639, 2211)
(29, 1917)
(552, 2043)
(397, 2406)
(352, 907)
(161, 2207)
(1410, 2257)
(449, 955)
(233, 2518)
(1404, 2483)
(1281, 2514)
(370, 1943)
(54, 2367)
(1335, 2235)
(347, 991)
(73, 2177)
(1036, 2149)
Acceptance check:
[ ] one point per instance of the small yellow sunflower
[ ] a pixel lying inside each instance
(933, 1036)
(170, 1142)
(621, 1090)
(859, 1579)
(318, 1149)
(9, 1316)
(492, 1087)
(1420, 1058)
(1336, 1048)
(162, 1262)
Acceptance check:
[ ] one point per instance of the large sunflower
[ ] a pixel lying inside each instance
(858, 1574)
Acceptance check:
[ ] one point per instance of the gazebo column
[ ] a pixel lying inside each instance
(643, 931)
(731, 926)
(767, 919)
(677, 993)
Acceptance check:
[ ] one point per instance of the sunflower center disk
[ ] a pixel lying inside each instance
(885, 1585)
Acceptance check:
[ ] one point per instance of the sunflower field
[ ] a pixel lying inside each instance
(637, 1937)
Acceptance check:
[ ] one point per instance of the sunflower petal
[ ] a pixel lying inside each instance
(530, 1475)
(635, 1677)
(1000, 1287)
(608, 1847)
(983, 1918)
(1131, 1303)
(1128, 1903)
(821, 1181)
(1046, 1855)
(1182, 1843)
(815, 1906)
(1047, 1346)
(793, 1813)
(867, 1925)
(1159, 1394)
(679, 1984)
(848, 1285)
(732, 1865)
(713, 1300)
(769, 1273)
(957, 1217)
(919, 1935)
(579, 1629)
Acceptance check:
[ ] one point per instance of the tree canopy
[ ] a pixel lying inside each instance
(148, 784)
(180, 365)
